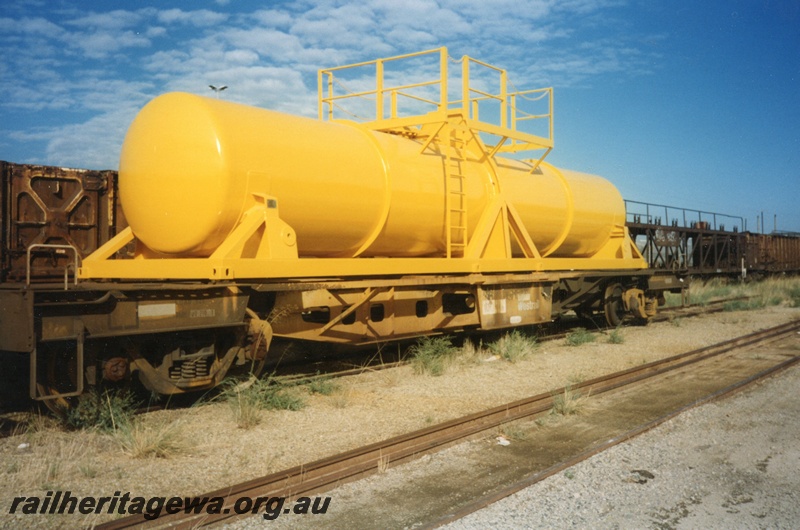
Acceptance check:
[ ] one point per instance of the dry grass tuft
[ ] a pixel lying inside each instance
(383, 463)
(470, 353)
(158, 439)
(568, 403)
(53, 458)
(514, 432)
(343, 398)
(391, 377)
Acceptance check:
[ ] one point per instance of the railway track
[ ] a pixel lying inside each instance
(714, 306)
(325, 474)
(295, 373)
(372, 362)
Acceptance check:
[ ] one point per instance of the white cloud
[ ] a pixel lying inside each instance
(241, 57)
(273, 18)
(103, 43)
(94, 143)
(156, 31)
(199, 18)
(110, 21)
(30, 27)
(270, 57)
(277, 45)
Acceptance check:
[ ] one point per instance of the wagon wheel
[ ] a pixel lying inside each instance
(260, 347)
(613, 306)
(56, 375)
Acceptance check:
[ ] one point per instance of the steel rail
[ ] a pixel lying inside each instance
(327, 473)
(530, 480)
(714, 306)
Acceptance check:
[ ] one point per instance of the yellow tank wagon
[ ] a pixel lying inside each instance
(435, 213)
(193, 169)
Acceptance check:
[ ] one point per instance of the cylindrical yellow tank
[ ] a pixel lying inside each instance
(191, 165)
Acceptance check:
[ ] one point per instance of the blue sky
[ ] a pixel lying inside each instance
(685, 103)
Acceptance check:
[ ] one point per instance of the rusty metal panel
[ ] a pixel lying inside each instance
(504, 306)
(772, 253)
(16, 321)
(53, 205)
(145, 312)
(781, 253)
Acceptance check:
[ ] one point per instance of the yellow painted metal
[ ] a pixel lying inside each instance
(193, 166)
(219, 190)
(508, 121)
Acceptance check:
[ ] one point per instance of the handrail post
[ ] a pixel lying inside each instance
(465, 86)
(550, 97)
(443, 104)
(320, 94)
(320, 103)
(504, 99)
(330, 95)
(379, 89)
(513, 112)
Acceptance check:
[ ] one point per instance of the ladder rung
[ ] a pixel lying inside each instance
(456, 193)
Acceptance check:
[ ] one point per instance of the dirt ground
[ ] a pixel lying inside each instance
(212, 452)
(728, 464)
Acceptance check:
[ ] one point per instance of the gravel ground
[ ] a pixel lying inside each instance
(366, 408)
(730, 464)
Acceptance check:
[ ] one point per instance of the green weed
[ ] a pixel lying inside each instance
(432, 355)
(249, 398)
(579, 336)
(107, 411)
(323, 386)
(514, 346)
(616, 337)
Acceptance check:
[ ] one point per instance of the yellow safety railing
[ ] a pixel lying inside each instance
(383, 101)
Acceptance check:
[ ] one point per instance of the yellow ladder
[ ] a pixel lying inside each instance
(455, 191)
